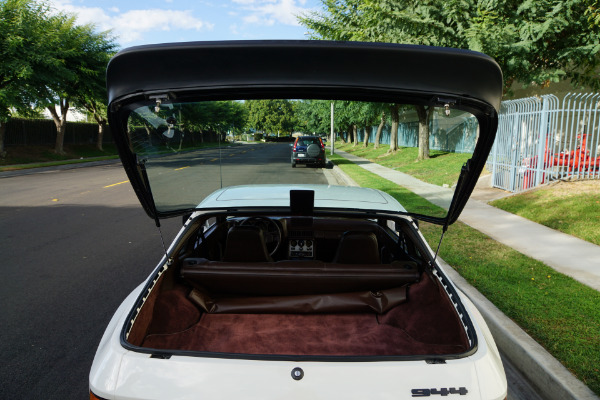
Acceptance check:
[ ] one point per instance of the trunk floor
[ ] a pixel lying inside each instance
(300, 334)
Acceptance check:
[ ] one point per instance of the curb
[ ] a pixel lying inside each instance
(342, 176)
(546, 373)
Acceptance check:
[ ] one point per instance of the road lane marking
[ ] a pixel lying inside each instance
(214, 159)
(179, 169)
(115, 184)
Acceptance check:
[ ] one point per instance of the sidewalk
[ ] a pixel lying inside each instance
(566, 254)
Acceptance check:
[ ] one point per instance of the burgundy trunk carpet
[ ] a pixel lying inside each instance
(426, 324)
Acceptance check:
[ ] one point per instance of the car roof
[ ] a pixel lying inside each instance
(278, 196)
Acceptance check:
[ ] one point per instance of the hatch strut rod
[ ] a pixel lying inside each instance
(444, 229)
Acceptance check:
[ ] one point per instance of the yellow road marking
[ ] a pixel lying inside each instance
(115, 184)
(214, 159)
(179, 169)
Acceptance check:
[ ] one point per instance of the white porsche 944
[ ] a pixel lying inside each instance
(283, 284)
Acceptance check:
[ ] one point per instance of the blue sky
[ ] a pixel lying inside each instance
(136, 22)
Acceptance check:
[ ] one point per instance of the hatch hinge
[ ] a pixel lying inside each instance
(447, 103)
(159, 98)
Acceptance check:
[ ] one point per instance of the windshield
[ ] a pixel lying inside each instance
(190, 149)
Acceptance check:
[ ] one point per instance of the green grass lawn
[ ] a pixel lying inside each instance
(560, 313)
(441, 169)
(570, 207)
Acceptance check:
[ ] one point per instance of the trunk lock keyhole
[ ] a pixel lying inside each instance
(297, 374)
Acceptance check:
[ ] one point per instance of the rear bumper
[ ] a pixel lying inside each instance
(308, 160)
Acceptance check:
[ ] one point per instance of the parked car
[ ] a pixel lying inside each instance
(282, 284)
(308, 150)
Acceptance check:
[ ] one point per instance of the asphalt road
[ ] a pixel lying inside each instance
(74, 243)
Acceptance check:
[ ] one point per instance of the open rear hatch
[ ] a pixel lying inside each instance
(167, 100)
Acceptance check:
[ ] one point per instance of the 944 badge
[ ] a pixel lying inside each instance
(441, 392)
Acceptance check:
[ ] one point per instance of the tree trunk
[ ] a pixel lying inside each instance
(61, 124)
(101, 125)
(395, 122)
(100, 138)
(424, 115)
(149, 133)
(379, 130)
(354, 135)
(180, 140)
(366, 139)
(92, 108)
(2, 132)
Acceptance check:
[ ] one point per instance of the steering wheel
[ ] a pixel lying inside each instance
(271, 232)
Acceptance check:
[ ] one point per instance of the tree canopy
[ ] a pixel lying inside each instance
(49, 60)
(272, 116)
(534, 41)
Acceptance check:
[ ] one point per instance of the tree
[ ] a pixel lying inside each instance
(379, 129)
(314, 116)
(91, 92)
(393, 111)
(534, 41)
(272, 115)
(83, 56)
(48, 60)
(28, 60)
(593, 13)
(369, 115)
(424, 114)
(211, 116)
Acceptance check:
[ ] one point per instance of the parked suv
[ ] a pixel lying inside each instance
(308, 150)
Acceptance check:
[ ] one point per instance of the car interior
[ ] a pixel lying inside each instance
(289, 286)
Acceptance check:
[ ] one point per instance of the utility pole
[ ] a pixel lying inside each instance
(332, 135)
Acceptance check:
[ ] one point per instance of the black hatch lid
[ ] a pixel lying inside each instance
(152, 89)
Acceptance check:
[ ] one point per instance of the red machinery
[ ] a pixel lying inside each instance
(578, 160)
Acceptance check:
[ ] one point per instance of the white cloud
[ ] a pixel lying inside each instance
(130, 26)
(271, 11)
